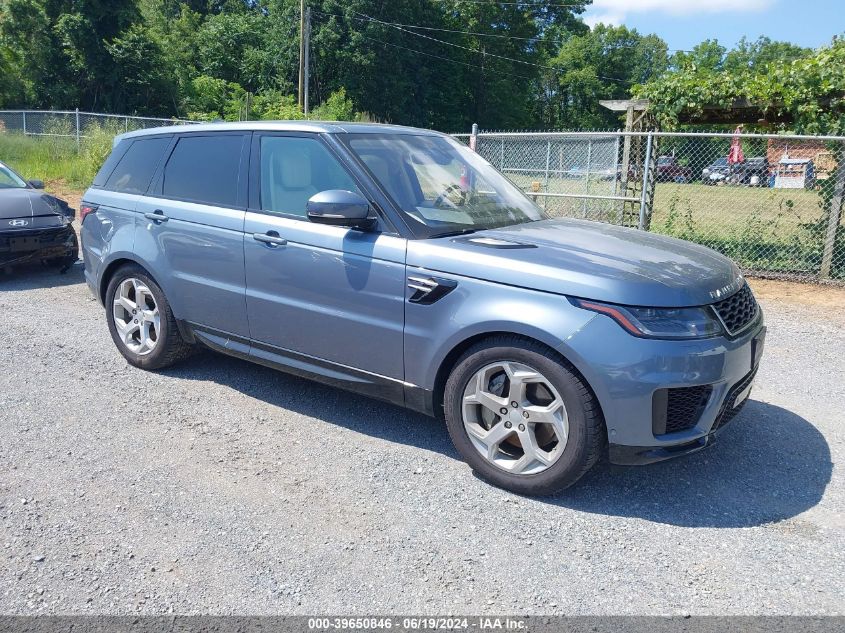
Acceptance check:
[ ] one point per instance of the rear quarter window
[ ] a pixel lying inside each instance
(135, 168)
(111, 162)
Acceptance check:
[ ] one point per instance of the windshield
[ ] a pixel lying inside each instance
(442, 185)
(9, 179)
(720, 162)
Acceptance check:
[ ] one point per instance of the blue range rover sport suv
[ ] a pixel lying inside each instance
(396, 263)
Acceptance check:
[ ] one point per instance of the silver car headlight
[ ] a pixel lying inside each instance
(666, 323)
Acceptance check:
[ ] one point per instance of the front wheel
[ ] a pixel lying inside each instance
(521, 417)
(140, 320)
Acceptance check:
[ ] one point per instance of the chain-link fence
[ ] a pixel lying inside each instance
(773, 203)
(73, 123)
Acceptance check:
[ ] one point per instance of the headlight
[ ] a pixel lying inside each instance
(669, 323)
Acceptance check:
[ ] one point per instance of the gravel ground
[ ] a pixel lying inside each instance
(223, 487)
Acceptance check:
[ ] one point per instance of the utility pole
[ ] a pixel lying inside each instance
(306, 57)
(300, 100)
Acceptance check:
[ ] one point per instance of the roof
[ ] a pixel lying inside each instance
(319, 127)
(622, 105)
(795, 161)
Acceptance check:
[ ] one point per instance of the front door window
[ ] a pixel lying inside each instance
(293, 169)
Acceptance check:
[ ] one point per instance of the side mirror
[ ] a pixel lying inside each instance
(337, 207)
(36, 184)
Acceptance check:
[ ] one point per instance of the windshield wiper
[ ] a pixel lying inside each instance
(454, 233)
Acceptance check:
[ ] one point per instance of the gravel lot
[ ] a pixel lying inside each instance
(223, 487)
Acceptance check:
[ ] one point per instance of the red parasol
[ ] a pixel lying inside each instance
(735, 156)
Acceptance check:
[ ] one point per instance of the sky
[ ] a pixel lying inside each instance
(685, 23)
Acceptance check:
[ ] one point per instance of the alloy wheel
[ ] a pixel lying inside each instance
(136, 316)
(515, 417)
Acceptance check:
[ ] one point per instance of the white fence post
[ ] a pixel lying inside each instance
(24, 122)
(77, 130)
(548, 164)
(587, 183)
(644, 195)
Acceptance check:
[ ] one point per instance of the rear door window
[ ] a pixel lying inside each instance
(204, 169)
(135, 169)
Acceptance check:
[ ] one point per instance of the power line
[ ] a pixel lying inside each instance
(539, 5)
(471, 50)
(496, 35)
(413, 50)
(445, 59)
(432, 28)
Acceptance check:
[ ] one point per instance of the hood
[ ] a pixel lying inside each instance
(27, 203)
(586, 259)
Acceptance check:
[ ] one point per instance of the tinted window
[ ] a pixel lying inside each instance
(205, 169)
(135, 170)
(111, 162)
(294, 169)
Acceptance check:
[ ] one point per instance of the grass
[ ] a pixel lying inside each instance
(43, 160)
(57, 159)
(762, 229)
(725, 210)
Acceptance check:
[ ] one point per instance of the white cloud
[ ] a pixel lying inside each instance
(615, 11)
(610, 17)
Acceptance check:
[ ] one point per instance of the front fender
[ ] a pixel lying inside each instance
(476, 308)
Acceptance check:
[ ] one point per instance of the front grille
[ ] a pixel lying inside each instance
(729, 409)
(678, 409)
(738, 310)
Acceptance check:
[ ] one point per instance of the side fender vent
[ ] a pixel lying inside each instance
(427, 290)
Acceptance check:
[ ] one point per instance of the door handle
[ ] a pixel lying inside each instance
(157, 216)
(270, 238)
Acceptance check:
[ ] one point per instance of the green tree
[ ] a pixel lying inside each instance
(139, 82)
(70, 54)
(12, 89)
(338, 107)
(230, 46)
(809, 91)
(505, 72)
(762, 53)
(602, 63)
(33, 54)
(174, 25)
(707, 57)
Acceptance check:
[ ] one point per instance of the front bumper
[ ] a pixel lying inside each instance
(19, 247)
(625, 372)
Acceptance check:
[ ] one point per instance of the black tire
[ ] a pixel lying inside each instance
(170, 347)
(587, 436)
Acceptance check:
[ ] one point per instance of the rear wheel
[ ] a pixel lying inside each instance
(140, 320)
(521, 417)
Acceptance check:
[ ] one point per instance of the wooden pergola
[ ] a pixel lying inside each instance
(739, 112)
